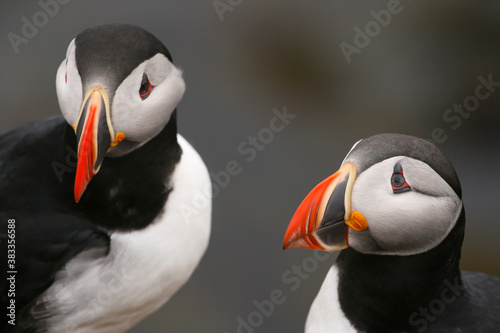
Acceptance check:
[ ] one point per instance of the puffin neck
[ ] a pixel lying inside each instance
(130, 191)
(380, 292)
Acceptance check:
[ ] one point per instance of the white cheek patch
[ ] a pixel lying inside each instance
(141, 120)
(403, 223)
(69, 93)
(158, 68)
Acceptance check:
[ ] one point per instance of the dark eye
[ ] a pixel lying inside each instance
(398, 181)
(145, 88)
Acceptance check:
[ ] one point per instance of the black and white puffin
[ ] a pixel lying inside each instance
(112, 207)
(395, 210)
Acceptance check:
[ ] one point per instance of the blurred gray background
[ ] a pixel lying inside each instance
(272, 54)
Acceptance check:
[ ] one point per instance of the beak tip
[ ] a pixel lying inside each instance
(78, 194)
(80, 186)
(297, 243)
(289, 239)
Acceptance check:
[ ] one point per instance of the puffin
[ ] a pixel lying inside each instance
(106, 208)
(394, 209)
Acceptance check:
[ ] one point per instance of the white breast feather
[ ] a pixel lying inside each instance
(144, 268)
(325, 314)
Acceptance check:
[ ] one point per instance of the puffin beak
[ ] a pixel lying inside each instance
(94, 135)
(323, 219)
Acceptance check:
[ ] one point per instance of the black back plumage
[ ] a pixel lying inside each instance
(37, 168)
(47, 234)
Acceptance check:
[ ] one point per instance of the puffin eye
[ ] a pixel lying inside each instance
(398, 181)
(145, 88)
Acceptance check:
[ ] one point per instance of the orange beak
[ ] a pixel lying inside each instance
(323, 218)
(95, 135)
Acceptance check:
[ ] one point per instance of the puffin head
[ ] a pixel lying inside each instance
(393, 195)
(117, 88)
